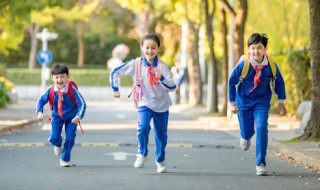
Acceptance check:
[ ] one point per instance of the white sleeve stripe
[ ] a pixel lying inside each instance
(82, 101)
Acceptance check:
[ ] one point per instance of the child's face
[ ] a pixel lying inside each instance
(150, 49)
(60, 80)
(257, 51)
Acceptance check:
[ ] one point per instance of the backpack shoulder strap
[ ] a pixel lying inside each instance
(273, 66)
(137, 66)
(70, 92)
(160, 66)
(51, 97)
(245, 66)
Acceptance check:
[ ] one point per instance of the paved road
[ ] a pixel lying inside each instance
(198, 157)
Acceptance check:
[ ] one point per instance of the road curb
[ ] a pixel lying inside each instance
(305, 157)
(8, 128)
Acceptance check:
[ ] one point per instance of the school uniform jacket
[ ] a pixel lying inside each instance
(69, 110)
(156, 97)
(261, 96)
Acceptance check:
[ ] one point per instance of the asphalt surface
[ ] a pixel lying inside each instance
(20, 117)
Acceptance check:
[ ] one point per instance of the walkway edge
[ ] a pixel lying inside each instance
(4, 129)
(305, 157)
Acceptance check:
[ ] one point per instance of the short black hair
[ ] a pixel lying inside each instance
(257, 38)
(151, 36)
(59, 69)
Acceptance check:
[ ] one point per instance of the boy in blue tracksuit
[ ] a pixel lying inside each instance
(250, 97)
(68, 108)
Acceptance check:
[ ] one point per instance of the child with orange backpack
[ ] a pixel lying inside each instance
(153, 81)
(68, 108)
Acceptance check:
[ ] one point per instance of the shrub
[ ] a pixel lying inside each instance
(83, 77)
(4, 97)
(296, 70)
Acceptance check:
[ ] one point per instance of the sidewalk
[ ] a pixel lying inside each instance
(307, 153)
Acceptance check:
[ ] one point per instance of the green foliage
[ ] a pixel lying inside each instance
(296, 71)
(83, 77)
(3, 70)
(65, 49)
(4, 97)
(298, 140)
(100, 38)
(286, 22)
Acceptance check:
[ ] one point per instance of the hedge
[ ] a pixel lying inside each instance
(83, 77)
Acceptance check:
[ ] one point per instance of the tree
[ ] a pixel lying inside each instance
(144, 14)
(213, 76)
(194, 23)
(225, 66)
(239, 25)
(156, 17)
(13, 22)
(313, 128)
(81, 15)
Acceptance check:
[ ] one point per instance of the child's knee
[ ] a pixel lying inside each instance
(144, 128)
(55, 139)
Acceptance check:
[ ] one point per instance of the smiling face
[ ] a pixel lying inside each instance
(257, 51)
(60, 80)
(150, 49)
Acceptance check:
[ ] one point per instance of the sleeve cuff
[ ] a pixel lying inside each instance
(232, 103)
(115, 89)
(280, 101)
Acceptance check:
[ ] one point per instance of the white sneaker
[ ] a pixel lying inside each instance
(57, 150)
(245, 145)
(161, 167)
(139, 163)
(261, 170)
(65, 164)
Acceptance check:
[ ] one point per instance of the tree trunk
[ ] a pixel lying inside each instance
(312, 130)
(212, 99)
(146, 22)
(81, 47)
(33, 30)
(239, 26)
(195, 91)
(225, 66)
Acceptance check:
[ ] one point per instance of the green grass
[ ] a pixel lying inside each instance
(296, 140)
(83, 77)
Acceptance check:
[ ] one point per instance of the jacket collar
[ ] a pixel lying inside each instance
(154, 62)
(255, 63)
(65, 89)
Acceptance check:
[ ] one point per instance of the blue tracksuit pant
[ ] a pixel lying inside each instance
(255, 117)
(70, 135)
(160, 122)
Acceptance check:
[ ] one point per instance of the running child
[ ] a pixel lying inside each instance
(152, 83)
(250, 96)
(68, 108)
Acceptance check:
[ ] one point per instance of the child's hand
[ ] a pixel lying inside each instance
(234, 109)
(75, 120)
(116, 94)
(158, 75)
(282, 109)
(40, 116)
